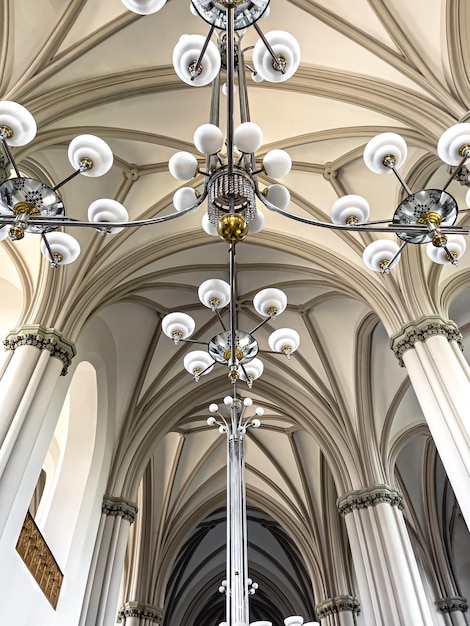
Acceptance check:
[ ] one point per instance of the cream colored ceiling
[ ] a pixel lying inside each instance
(367, 66)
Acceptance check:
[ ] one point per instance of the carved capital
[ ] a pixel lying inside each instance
(119, 507)
(454, 603)
(331, 606)
(140, 610)
(422, 329)
(371, 496)
(43, 339)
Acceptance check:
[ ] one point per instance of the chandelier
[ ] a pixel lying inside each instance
(238, 586)
(231, 185)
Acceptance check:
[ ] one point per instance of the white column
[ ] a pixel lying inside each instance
(389, 583)
(140, 614)
(101, 597)
(430, 350)
(27, 422)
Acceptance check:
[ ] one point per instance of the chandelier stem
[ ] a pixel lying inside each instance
(230, 35)
(10, 157)
(66, 180)
(233, 308)
(455, 172)
(250, 161)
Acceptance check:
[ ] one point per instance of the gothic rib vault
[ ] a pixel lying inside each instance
(340, 415)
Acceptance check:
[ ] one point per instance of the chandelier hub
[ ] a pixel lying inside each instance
(232, 228)
(220, 347)
(431, 207)
(245, 12)
(6, 132)
(30, 197)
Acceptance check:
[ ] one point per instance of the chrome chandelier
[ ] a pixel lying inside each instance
(231, 185)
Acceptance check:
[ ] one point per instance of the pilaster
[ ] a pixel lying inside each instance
(344, 606)
(454, 608)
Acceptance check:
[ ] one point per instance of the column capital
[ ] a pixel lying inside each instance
(140, 610)
(422, 329)
(43, 339)
(330, 606)
(119, 507)
(370, 496)
(453, 603)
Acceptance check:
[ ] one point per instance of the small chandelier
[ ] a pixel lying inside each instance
(237, 585)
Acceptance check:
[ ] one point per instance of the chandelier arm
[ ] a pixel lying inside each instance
(217, 312)
(400, 179)
(204, 370)
(386, 269)
(49, 250)
(262, 323)
(195, 71)
(269, 48)
(366, 227)
(201, 343)
(68, 179)
(56, 222)
(9, 155)
(456, 171)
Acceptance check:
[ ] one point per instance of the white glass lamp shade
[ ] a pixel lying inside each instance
(378, 254)
(270, 302)
(4, 232)
(184, 198)
(350, 209)
(277, 163)
(286, 47)
(108, 210)
(17, 119)
(311, 623)
(456, 245)
(208, 226)
(208, 139)
(197, 361)
(452, 141)
(225, 89)
(256, 78)
(65, 248)
(278, 195)
(94, 149)
(285, 340)
(178, 325)
(467, 198)
(248, 137)
(262, 623)
(294, 620)
(186, 55)
(183, 165)
(214, 293)
(144, 7)
(257, 223)
(253, 369)
(382, 146)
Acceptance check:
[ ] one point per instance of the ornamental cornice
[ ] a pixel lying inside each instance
(371, 496)
(453, 603)
(331, 606)
(43, 339)
(140, 610)
(119, 507)
(422, 329)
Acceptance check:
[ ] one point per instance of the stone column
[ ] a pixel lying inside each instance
(430, 348)
(389, 583)
(139, 614)
(454, 608)
(102, 591)
(27, 422)
(345, 607)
